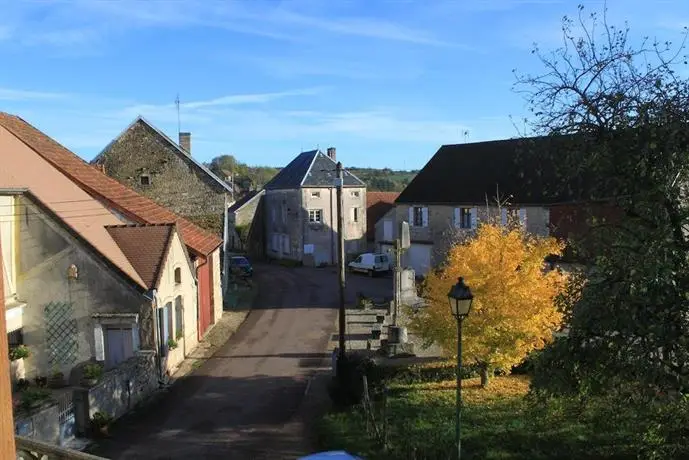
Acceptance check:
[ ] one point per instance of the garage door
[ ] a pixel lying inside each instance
(419, 258)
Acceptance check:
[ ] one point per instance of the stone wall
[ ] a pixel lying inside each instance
(42, 424)
(119, 390)
(175, 182)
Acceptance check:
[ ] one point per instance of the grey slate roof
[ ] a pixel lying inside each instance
(311, 169)
(468, 173)
(243, 200)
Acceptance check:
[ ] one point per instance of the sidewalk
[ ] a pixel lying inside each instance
(225, 327)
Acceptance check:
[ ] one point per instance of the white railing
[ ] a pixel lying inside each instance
(30, 449)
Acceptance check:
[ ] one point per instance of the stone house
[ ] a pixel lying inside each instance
(127, 206)
(300, 206)
(244, 226)
(380, 218)
(149, 162)
(457, 189)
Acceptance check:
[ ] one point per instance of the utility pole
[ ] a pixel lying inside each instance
(397, 280)
(179, 120)
(341, 266)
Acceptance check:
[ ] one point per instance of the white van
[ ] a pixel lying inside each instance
(371, 263)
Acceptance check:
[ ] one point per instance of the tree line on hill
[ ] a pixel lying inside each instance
(247, 177)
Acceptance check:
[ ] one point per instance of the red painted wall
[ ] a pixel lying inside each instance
(205, 295)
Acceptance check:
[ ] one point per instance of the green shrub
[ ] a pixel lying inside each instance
(19, 352)
(31, 397)
(93, 371)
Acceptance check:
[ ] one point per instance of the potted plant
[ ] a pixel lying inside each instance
(23, 384)
(171, 343)
(57, 379)
(100, 423)
(19, 352)
(41, 381)
(92, 373)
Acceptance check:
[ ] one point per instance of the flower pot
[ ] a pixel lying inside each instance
(88, 382)
(380, 319)
(375, 334)
(56, 382)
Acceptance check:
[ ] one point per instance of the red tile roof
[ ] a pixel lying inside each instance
(377, 204)
(146, 247)
(125, 200)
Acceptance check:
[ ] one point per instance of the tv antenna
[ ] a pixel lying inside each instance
(466, 136)
(179, 123)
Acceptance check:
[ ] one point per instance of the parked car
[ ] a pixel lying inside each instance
(240, 266)
(371, 264)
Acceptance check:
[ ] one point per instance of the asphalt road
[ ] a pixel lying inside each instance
(248, 401)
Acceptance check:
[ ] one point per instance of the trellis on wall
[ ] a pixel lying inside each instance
(61, 333)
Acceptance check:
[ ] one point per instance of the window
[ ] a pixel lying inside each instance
(355, 214)
(285, 244)
(283, 213)
(316, 216)
(164, 327)
(355, 194)
(513, 217)
(178, 275)
(145, 180)
(465, 218)
(273, 215)
(315, 194)
(387, 230)
(119, 344)
(418, 216)
(179, 318)
(15, 338)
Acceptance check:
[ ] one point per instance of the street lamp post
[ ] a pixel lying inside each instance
(460, 298)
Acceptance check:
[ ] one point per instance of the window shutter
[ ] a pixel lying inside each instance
(503, 217)
(99, 342)
(424, 217)
(135, 337)
(411, 216)
(522, 217)
(546, 214)
(457, 217)
(474, 217)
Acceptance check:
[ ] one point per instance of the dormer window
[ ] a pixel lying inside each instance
(178, 275)
(145, 180)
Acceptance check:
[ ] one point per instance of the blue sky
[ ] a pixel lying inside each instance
(386, 82)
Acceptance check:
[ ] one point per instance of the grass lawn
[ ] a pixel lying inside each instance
(497, 423)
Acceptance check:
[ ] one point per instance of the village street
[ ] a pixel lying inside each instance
(247, 402)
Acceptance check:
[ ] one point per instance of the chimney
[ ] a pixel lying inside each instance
(100, 167)
(185, 142)
(332, 154)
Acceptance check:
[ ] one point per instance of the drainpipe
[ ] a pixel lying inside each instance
(332, 229)
(226, 235)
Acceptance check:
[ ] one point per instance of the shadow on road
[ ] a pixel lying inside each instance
(207, 417)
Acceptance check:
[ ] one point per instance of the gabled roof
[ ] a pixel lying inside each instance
(311, 169)
(470, 173)
(377, 205)
(25, 171)
(114, 194)
(237, 205)
(146, 247)
(183, 154)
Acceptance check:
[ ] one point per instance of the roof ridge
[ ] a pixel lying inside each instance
(144, 225)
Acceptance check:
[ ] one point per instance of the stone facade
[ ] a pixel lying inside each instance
(150, 163)
(58, 317)
(440, 230)
(291, 232)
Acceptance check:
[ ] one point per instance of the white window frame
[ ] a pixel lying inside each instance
(413, 216)
(355, 214)
(315, 194)
(315, 216)
(147, 177)
(355, 193)
(101, 323)
(465, 218)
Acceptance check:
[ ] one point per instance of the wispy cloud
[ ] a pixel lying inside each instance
(9, 94)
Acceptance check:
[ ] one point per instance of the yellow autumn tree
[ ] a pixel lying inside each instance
(513, 312)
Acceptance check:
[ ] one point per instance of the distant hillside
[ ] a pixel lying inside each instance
(254, 177)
